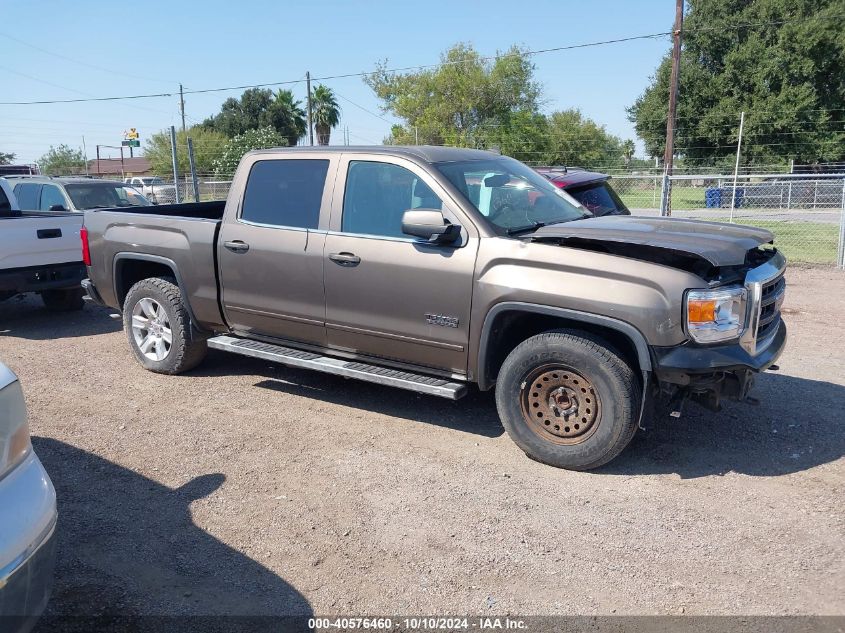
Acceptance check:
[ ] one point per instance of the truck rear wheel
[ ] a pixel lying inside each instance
(158, 326)
(568, 400)
(63, 300)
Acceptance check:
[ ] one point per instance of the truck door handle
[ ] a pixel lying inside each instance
(345, 259)
(237, 246)
(46, 234)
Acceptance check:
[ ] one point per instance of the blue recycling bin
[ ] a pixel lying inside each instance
(726, 196)
(713, 197)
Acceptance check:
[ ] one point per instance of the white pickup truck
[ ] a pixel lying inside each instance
(40, 252)
(154, 189)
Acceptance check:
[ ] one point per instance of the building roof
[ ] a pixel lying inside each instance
(137, 165)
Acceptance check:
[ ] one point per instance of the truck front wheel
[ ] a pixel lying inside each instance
(568, 400)
(158, 326)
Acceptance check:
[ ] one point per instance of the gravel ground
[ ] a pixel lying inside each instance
(246, 488)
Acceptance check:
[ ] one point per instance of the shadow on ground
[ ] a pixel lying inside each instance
(127, 547)
(797, 426)
(26, 317)
(475, 413)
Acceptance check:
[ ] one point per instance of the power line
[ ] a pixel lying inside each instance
(425, 66)
(341, 76)
(76, 61)
(360, 107)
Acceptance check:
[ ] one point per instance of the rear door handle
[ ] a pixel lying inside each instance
(345, 259)
(46, 234)
(237, 246)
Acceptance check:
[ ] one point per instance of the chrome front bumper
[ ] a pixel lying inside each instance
(27, 544)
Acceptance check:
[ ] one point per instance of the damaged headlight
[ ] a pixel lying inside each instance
(715, 315)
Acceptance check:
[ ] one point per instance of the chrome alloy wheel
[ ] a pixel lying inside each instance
(151, 329)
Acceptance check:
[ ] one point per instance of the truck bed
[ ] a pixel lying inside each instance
(197, 210)
(178, 237)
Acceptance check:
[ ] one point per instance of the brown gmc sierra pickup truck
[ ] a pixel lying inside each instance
(433, 268)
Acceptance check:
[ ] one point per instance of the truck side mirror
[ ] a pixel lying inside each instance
(57, 207)
(429, 224)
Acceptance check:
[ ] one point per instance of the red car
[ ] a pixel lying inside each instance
(590, 188)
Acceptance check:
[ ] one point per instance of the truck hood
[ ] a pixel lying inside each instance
(717, 243)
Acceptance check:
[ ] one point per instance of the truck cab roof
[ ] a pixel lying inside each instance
(425, 153)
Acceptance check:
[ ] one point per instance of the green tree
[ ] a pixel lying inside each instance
(6, 158)
(237, 115)
(208, 145)
(576, 140)
(325, 113)
(258, 108)
(261, 138)
(62, 161)
(780, 61)
(467, 101)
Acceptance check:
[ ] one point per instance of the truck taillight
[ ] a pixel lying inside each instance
(86, 252)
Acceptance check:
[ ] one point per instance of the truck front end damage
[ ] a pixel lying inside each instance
(735, 331)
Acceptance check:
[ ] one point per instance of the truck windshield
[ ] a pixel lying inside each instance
(102, 195)
(510, 195)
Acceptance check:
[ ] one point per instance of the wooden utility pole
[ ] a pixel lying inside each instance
(182, 106)
(308, 88)
(673, 87)
(669, 152)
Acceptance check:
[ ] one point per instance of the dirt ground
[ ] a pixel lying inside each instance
(248, 488)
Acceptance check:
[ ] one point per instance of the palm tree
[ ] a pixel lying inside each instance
(286, 115)
(628, 149)
(325, 113)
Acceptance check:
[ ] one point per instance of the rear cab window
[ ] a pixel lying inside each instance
(285, 193)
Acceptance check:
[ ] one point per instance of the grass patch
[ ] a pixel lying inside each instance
(683, 198)
(807, 242)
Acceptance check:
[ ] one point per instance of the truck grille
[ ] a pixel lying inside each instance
(771, 298)
(766, 288)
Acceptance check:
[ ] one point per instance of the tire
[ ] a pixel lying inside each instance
(64, 300)
(568, 399)
(154, 311)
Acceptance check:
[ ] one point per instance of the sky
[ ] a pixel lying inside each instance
(66, 50)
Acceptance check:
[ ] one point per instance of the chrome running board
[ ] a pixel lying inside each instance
(346, 368)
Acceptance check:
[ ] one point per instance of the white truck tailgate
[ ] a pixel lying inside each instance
(35, 239)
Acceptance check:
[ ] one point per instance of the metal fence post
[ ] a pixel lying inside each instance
(193, 169)
(665, 194)
(175, 163)
(840, 260)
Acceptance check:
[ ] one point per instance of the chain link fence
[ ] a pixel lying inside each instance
(806, 214)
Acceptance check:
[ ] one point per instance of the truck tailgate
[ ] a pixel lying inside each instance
(38, 239)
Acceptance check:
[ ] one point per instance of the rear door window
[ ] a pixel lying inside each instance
(285, 193)
(27, 195)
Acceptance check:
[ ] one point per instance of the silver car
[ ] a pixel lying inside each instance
(27, 515)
